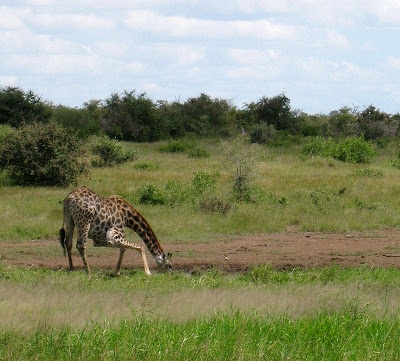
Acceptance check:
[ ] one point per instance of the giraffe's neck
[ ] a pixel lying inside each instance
(138, 223)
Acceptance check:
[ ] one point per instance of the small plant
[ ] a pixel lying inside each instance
(175, 146)
(146, 166)
(240, 164)
(42, 155)
(215, 205)
(110, 152)
(198, 152)
(203, 181)
(151, 195)
(368, 172)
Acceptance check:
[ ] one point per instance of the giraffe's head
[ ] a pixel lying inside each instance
(163, 262)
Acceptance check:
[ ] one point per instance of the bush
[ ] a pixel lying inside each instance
(42, 155)
(110, 152)
(152, 195)
(354, 150)
(262, 133)
(175, 146)
(203, 181)
(240, 163)
(198, 152)
(318, 146)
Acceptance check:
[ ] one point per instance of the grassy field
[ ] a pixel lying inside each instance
(315, 194)
(312, 314)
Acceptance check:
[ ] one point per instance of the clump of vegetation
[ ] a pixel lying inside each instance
(151, 195)
(368, 172)
(184, 145)
(146, 166)
(175, 146)
(215, 204)
(203, 181)
(198, 152)
(42, 155)
(262, 133)
(109, 152)
(354, 150)
(18, 107)
(240, 162)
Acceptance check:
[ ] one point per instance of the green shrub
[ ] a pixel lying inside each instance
(152, 195)
(354, 150)
(197, 152)
(368, 172)
(146, 166)
(110, 152)
(5, 130)
(175, 146)
(262, 133)
(42, 155)
(317, 146)
(215, 204)
(203, 181)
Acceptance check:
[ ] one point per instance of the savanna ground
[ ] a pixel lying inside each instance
(309, 269)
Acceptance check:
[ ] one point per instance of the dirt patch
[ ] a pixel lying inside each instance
(235, 254)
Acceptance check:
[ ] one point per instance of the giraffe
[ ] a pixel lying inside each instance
(103, 220)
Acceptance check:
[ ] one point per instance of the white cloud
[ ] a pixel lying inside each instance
(181, 54)
(135, 67)
(54, 64)
(336, 39)
(253, 56)
(72, 21)
(114, 48)
(11, 18)
(184, 27)
(393, 62)
(6, 80)
(386, 11)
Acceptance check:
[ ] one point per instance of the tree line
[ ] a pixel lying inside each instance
(133, 116)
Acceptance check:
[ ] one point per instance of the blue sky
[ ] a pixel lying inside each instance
(322, 54)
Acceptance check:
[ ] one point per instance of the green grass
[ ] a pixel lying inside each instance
(233, 336)
(309, 314)
(313, 314)
(287, 192)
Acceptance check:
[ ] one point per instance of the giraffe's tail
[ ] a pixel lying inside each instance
(62, 240)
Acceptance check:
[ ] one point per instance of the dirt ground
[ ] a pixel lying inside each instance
(234, 254)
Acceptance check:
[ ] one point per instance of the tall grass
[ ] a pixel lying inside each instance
(318, 194)
(231, 336)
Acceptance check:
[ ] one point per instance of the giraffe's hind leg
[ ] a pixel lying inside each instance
(81, 245)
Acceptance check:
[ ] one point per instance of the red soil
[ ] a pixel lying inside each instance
(235, 254)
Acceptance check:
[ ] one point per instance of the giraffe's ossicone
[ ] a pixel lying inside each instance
(104, 220)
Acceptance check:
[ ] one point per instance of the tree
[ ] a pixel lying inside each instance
(375, 124)
(205, 116)
(275, 111)
(42, 155)
(18, 107)
(132, 117)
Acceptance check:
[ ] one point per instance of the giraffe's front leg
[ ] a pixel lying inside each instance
(81, 245)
